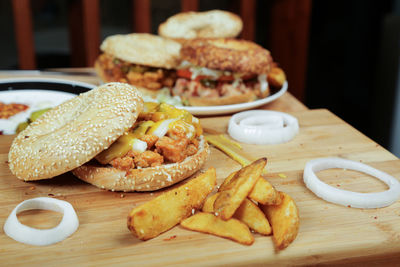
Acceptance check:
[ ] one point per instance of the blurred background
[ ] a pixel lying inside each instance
(351, 61)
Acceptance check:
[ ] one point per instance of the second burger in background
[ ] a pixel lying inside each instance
(225, 71)
(144, 60)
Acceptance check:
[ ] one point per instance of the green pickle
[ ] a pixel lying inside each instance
(21, 127)
(34, 116)
(159, 113)
(118, 149)
(123, 144)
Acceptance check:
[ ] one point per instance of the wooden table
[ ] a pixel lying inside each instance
(329, 234)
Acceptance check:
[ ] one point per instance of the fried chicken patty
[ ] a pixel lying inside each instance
(117, 70)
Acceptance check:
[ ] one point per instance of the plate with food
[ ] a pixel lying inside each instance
(205, 76)
(225, 109)
(22, 100)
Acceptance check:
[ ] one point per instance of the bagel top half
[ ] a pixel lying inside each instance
(233, 55)
(144, 49)
(74, 132)
(207, 24)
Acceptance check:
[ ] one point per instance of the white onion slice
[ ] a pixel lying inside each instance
(345, 197)
(162, 129)
(263, 127)
(270, 122)
(42, 237)
(139, 145)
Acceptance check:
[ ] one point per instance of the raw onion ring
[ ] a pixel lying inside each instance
(345, 197)
(42, 237)
(263, 127)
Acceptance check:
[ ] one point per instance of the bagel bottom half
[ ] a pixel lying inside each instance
(144, 179)
(224, 100)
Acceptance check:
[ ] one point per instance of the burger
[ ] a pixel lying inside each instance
(225, 71)
(144, 60)
(110, 138)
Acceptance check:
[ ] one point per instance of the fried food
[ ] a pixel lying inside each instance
(74, 132)
(168, 209)
(208, 205)
(112, 69)
(209, 223)
(8, 110)
(276, 77)
(163, 147)
(284, 219)
(146, 61)
(263, 192)
(232, 196)
(248, 213)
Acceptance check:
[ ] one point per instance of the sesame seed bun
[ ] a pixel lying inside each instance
(144, 49)
(145, 179)
(72, 133)
(225, 54)
(208, 24)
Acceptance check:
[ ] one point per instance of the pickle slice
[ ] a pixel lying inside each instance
(118, 149)
(36, 114)
(123, 144)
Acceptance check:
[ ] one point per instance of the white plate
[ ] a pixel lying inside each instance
(217, 110)
(29, 92)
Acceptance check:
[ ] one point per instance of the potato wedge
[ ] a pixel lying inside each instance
(168, 209)
(209, 223)
(248, 213)
(233, 194)
(227, 181)
(208, 205)
(284, 219)
(263, 192)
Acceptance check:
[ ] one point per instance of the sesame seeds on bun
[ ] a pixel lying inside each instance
(72, 133)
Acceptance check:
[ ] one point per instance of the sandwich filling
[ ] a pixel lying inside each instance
(195, 81)
(162, 134)
(118, 70)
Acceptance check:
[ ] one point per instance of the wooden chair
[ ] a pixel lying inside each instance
(288, 32)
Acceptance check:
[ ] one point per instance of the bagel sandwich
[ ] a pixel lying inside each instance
(225, 71)
(110, 138)
(144, 60)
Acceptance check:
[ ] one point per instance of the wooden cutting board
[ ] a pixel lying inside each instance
(328, 233)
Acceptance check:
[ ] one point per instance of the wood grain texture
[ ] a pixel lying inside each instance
(328, 233)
